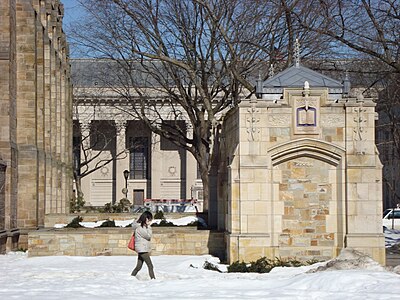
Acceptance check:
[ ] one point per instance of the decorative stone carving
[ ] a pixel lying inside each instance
(359, 130)
(252, 120)
(279, 120)
(303, 164)
(104, 171)
(120, 126)
(306, 115)
(332, 120)
(172, 171)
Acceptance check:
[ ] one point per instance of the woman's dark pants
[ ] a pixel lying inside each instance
(144, 257)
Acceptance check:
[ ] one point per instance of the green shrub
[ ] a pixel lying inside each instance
(238, 267)
(312, 261)
(76, 203)
(295, 263)
(265, 265)
(108, 208)
(108, 223)
(261, 265)
(75, 222)
(163, 223)
(279, 262)
(122, 206)
(159, 215)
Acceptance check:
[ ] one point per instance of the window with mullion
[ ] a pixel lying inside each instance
(139, 157)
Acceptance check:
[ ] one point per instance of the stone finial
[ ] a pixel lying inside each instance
(346, 84)
(259, 86)
(306, 89)
(360, 98)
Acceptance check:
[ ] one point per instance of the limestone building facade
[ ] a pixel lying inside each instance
(35, 118)
(299, 171)
(109, 139)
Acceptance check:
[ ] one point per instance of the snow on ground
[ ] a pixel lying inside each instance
(180, 277)
(183, 277)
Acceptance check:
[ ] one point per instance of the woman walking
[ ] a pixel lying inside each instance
(143, 235)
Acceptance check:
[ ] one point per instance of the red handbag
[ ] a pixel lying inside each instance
(131, 244)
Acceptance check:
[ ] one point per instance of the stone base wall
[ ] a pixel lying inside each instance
(114, 241)
(251, 247)
(370, 244)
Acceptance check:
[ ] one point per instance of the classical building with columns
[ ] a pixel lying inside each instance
(35, 118)
(108, 140)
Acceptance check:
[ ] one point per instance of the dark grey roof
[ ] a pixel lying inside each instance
(107, 72)
(295, 76)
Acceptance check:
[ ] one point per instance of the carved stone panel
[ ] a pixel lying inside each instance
(306, 115)
(332, 120)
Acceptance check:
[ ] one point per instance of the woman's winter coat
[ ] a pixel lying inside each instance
(142, 238)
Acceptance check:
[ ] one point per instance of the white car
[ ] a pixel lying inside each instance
(391, 218)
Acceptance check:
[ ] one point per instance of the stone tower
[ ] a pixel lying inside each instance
(299, 171)
(35, 117)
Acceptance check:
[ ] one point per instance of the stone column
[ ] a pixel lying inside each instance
(121, 163)
(53, 112)
(40, 116)
(85, 140)
(364, 181)
(47, 111)
(26, 116)
(156, 166)
(63, 149)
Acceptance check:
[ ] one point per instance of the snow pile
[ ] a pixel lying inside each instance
(178, 222)
(349, 259)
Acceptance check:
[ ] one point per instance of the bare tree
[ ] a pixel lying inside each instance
(369, 27)
(367, 32)
(388, 138)
(188, 60)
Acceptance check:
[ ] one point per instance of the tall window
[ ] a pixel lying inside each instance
(139, 158)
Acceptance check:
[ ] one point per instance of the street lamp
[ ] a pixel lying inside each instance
(125, 191)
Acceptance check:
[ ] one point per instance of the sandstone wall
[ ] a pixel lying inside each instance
(114, 241)
(35, 115)
(304, 191)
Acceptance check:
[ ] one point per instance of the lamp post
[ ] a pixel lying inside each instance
(125, 190)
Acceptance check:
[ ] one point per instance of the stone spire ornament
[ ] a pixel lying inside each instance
(296, 53)
(259, 85)
(271, 71)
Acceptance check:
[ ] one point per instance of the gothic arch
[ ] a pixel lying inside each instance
(306, 147)
(307, 181)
